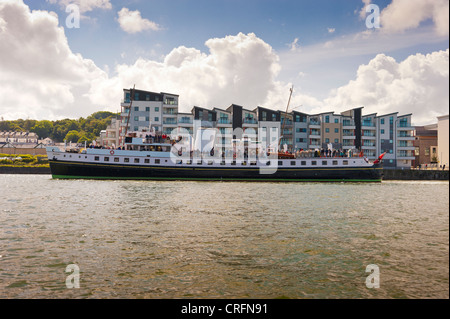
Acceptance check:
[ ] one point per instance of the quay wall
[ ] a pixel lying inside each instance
(23, 151)
(25, 170)
(413, 174)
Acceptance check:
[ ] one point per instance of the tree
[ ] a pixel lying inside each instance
(72, 136)
(43, 128)
(83, 138)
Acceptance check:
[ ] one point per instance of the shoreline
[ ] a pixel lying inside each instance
(389, 174)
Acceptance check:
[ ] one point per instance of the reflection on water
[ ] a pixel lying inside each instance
(222, 240)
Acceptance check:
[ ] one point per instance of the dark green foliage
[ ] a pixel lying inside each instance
(82, 129)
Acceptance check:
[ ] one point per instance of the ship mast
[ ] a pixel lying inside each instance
(129, 112)
(285, 116)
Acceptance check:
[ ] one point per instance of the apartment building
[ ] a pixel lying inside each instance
(370, 134)
(443, 141)
(148, 111)
(395, 136)
(425, 145)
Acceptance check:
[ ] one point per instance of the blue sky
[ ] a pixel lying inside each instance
(322, 47)
(191, 22)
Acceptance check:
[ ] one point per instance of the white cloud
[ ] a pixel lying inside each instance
(132, 22)
(84, 5)
(237, 69)
(40, 76)
(331, 30)
(362, 12)
(417, 85)
(402, 15)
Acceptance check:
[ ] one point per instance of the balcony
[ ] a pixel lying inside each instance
(224, 121)
(170, 102)
(249, 121)
(406, 155)
(288, 122)
(405, 125)
(347, 123)
(170, 112)
(167, 122)
(185, 121)
(368, 124)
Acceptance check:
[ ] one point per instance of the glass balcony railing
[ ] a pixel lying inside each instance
(250, 121)
(223, 121)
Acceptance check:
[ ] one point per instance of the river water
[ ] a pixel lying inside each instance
(132, 239)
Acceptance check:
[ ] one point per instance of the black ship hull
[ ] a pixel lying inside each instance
(79, 170)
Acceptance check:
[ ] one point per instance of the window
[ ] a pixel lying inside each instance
(382, 131)
(336, 130)
(136, 161)
(274, 117)
(210, 162)
(97, 158)
(147, 109)
(314, 163)
(345, 162)
(156, 109)
(179, 162)
(325, 163)
(106, 159)
(327, 130)
(280, 163)
(157, 161)
(136, 118)
(292, 163)
(336, 120)
(126, 160)
(303, 163)
(156, 119)
(417, 151)
(382, 121)
(147, 118)
(327, 119)
(147, 161)
(136, 108)
(335, 162)
(116, 159)
(264, 116)
(199, 162)
(327, 140)
(391, 120)
(336, 140)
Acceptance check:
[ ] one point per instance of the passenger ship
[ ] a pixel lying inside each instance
(142, 159)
